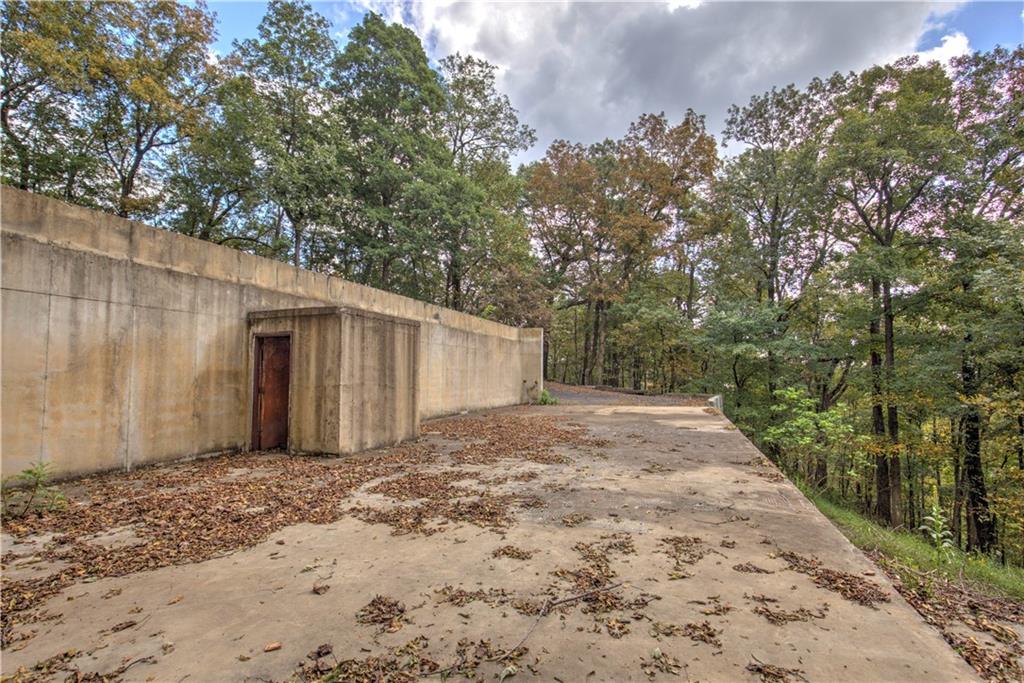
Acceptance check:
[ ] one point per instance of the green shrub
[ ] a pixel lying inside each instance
(546, 399)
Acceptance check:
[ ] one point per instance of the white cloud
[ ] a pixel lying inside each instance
(584, 71)
(953, 45)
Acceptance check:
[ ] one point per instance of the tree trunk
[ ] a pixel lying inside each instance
(546, 352)
(1020, 441)
(883, 502)
(277, 225)
(20, 148)
(820, 478)
(892, 416)
(297, 230)
(597, 366)
(958, 497)
(585, 373)
(455, 268)
(980, 524)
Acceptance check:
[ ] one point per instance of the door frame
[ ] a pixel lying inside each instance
(255, 403)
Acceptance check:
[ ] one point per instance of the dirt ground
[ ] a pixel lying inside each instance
(560, 543)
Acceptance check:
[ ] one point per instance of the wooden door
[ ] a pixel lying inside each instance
(270, 408)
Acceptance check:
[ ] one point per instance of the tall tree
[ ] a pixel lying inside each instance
(892, 143)
(53, 53)
(213, 180)
(479, 123)
(785, 233)
(150, 95)
(391, 109)
(981, 199)
(296, 133)
(482, 131)
(600, 213)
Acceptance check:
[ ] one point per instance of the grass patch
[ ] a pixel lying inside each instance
(985, 574)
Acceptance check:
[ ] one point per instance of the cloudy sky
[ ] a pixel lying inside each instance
(583, 71)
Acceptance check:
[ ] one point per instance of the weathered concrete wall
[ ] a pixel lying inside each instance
(379, 381)
(124, 345)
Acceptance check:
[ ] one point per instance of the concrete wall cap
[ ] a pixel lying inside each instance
(308, 311)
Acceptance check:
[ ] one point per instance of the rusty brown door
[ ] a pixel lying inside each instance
(270, 412)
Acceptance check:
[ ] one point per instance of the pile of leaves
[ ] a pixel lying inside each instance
(47, 669)
(574, 519)
(529, 475)
(485, 510)
(702, 632)
(429, 485)
(513, 552)
(684, 550)
(520, 437)
(321, 662)
(660, 662)
(780, 617)
(403, 519)
(471, 655)
(404, 664)
(63, 662)
(714, 606)
(616, 627)
(406, 454)
(850, 586)
(384, 612)
(492, 597)
(596, 572)
(185, 513)
(751, 568)
(461, 597)
(957, 609)
(771, 673)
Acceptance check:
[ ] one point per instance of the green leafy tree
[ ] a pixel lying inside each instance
(893, 142)
(782, 230)
(805, 434)
(983, 204)
(213, 182)
(298, 137)
(482, 131)
(600, 213)
(391, 112)
(478, 122)
(53, 54)
(150, 95)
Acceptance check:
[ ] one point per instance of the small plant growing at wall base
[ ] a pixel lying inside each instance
(546, 399)
(30, 491)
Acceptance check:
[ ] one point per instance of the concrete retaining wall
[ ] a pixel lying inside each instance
(125, 345)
